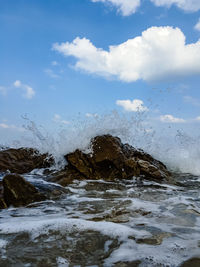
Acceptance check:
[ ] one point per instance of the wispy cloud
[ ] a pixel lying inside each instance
(58, 119)
(91, 115)
(54, 63)
(193, 101)
(198, 118)
(51, 73)
(29, 92)
(186, 5)
(159, 53)
(11, 127)
(135, 105)
(3, 90)
(171, 119)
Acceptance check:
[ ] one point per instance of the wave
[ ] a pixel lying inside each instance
(179, 150)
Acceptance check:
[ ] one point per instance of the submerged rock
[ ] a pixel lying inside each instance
(110, 159)
(23, 160)
(18, 192)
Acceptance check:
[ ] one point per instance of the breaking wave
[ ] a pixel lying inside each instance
(177, 149)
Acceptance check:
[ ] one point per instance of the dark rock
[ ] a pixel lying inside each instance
(19, 192)
(110, 159)
(2, 204)
(23, 160)
(128, 264)
(193, 262)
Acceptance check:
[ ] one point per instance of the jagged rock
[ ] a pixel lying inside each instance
(23, 160)
(19, 192)
(110, 159)
(193, 262)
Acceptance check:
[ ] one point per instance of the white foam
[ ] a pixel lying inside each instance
(41, 225)
(3, 243)
(62, 262)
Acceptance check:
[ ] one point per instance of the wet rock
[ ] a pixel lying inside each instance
(109, 160)
(23, 160)
(19, 192)
(127, 264)
(65, 177)
(154, 240)
(2, 204)
(193, 262)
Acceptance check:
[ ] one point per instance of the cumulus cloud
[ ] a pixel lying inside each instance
(160, 52)
(171, 119)
(28, 91)
(125, 7)
(128, 7)
(186, 5)
(135, 105)
(57, 118)
(197, 26)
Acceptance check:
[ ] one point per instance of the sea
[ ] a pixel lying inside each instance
(135, 222)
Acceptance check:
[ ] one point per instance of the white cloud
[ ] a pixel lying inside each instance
(17, 84)
(125, 7)
(197, 26)
(57, 118)
(29, 92)
(135, 105)
(128, 7)
(171, 119)
(160, 52)
(186, 5)
(197, 118)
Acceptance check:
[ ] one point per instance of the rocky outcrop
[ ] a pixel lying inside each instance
(110, 159)
(23, 160)
(18, 192)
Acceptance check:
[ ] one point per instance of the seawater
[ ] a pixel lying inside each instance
(97, 223)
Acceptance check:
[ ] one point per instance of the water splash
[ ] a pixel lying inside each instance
(180, 151)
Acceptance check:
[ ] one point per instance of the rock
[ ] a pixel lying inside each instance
(2, 204)
(23, 160)
(193, 262)
(19, 192)
(127, 264)
(65, 177)
(110, 159)
(154, 240)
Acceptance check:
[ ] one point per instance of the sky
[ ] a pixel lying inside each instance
(60, 59)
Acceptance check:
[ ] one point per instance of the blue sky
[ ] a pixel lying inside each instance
(56, 61)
